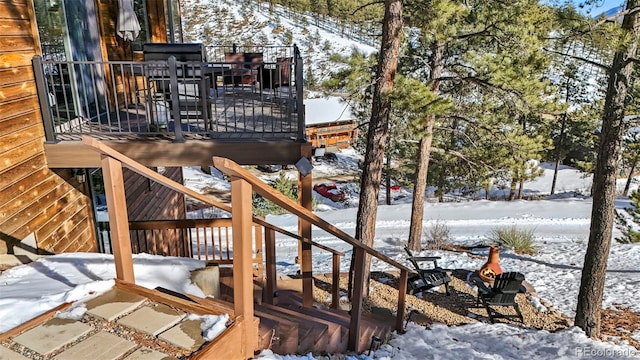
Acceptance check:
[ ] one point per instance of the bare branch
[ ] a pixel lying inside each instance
(366, 5)
(580, 58)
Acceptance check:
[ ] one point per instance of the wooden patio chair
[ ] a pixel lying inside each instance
(501, 293)
(426, 278)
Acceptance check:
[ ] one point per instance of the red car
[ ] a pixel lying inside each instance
(330, 191)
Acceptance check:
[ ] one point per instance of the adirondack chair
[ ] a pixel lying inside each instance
(502, 293)
(426, 278)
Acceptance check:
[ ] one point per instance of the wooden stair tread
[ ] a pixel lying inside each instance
(372, 324)
(337, 330)
(286, 334)
(294, 301)
(313, 335)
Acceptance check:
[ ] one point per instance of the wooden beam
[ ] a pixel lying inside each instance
(335, 286)
(38, 320)
(270, 257)
(118, 221)
(195, 305)
(75, 154)
(402, 298)
(356, 299)
(304, 229)
(241, 204)
(225, 346)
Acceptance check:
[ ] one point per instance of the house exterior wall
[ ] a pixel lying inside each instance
(337, 135)
(147, 200)
(33, 199)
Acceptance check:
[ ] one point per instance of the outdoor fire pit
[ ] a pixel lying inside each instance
(491, 268)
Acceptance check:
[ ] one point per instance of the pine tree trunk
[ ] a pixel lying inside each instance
(604, 180)
(378, 132)
(512, 190)
(555, 175)
(420, 185)
(521, 189)
(627, 185)
(563, 126)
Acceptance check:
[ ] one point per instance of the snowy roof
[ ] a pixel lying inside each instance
(327, 110)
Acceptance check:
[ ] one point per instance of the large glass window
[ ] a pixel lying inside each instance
(69, 31)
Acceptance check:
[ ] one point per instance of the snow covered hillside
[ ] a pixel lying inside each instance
(225, 22)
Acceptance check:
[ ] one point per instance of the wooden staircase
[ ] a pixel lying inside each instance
(286, 327)
(314, 329)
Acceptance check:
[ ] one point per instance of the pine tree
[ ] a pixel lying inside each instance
(377, 136)
(604, 181)
(476, 47)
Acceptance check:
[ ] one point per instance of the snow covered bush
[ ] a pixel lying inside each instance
(436, 236)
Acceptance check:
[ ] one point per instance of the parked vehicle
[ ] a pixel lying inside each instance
(269, 168)
(330, 191)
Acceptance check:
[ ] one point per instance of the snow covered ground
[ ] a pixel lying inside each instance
(560, 226)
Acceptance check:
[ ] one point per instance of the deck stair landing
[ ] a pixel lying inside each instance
(289, 328)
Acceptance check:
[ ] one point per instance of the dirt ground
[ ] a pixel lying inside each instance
(460, 308)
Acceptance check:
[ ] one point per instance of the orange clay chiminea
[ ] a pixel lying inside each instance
(491, 268)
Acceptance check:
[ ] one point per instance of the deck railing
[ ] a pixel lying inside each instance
(203, 239)
(268, 53)
(174, 100)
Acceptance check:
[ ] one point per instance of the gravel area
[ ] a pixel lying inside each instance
(435, 306)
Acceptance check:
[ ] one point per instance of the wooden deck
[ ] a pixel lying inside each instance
(248, 125)
(236, 113)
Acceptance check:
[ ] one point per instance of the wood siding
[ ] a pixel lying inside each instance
(114, 47)
(148, 200)
(33, 199)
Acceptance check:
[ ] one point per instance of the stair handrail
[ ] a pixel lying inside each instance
(161, 179)
(231, 168)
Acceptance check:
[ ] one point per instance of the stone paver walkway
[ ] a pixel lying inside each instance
(113, 304)
(119, 312)
(152, 319)
(101, 346)
(52, 335)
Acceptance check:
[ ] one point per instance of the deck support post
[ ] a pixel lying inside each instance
(175, 100)
(242, 226)
(402, 298)
(270, 257)
(335, 286)
(356, 298)
(305, 184)
(118, 218)
(43, 96)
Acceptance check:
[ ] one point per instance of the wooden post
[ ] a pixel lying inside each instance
(356, 299)
(270, 257)
(242, 225)
(335, 286)
(402, 297)
(259, 254)
(304, 227)
(118, 219)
